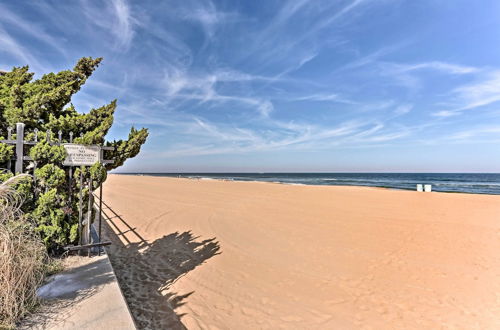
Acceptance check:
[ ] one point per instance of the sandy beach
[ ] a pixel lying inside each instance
(207, 254)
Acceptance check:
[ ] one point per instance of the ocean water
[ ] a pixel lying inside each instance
(475, 183)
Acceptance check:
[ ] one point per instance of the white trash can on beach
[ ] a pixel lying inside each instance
(428, 188)
(420, 187)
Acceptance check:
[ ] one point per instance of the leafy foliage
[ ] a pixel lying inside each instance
(43, 152)
(6, 152)
(44, 105)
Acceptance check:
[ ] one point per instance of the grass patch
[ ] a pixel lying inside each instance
(23, 258)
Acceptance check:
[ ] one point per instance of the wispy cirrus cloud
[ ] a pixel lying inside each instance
(15, 22)
(403, 109)
(318, 97)
(307, 138)
(401, 70)
(351, 6)
(281, 44)
(331, 14)
(13, 48)
(476, 132)
(207, 15)
(114, 17)
(327, 97)
(220, 78)
(10, 46)
(211, 138)
(439, 66)
(483, 92)
(409, 75)
(122, 28)
(180, 84)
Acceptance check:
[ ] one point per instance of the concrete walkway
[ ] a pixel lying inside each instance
(85, 296)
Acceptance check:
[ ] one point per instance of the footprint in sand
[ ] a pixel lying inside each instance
(363, 307)
(335, 301)
(381, 310)
(223, 306)
(213, 327)
(270, 312)
(249, 311)
(319, 316)
(291, 318)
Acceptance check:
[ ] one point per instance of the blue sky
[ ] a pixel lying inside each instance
(333, 85)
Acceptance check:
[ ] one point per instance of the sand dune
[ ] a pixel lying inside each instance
(240, 255)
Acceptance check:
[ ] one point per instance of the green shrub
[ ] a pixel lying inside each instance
(44, 104)
(6, 152)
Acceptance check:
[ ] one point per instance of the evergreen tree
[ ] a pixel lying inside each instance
(44, 105)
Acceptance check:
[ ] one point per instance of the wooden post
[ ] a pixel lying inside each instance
(19, 147)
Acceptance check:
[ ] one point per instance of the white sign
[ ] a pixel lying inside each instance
(79, 154)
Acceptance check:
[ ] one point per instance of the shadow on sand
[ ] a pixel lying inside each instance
(145, 271)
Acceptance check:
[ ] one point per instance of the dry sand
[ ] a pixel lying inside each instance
(304, 257)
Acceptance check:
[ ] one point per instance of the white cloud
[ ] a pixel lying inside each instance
(115, 17)
(207, 15)
(180, 84)
(123, 25)
(10, 46)
(208, 137)
(368, 59)
(328, 20)
(322, 97)
(481, 93)
(403, 109)
(439, 66)
(403, 74)
(407, 75)
(177, 79)
(14, 21)
(445, 113)
(319, 97)
(344, 11)
(478, 131)
(275, 44)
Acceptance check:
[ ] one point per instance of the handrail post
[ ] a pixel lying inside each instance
(19, 147)
(80, 209)
(9, 137)
(100, 214)
(89, 214)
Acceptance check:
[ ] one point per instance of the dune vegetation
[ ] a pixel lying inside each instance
(23, 256)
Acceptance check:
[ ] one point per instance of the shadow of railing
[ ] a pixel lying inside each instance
(112, 220)
(145, 271)
(65, 290)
